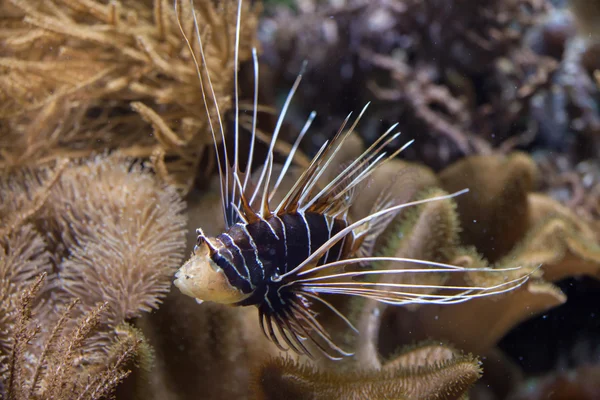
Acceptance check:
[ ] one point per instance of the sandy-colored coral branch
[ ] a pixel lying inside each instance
(131, 82)
(424, 372)
(106, 235)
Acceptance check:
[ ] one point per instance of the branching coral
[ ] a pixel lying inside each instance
(23, 253)
(82, 76)
(570, 102)
(58, 367)
(459, 76)
(105, 231)
(22, 257)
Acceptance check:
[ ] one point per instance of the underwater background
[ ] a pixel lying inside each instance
(107, 167)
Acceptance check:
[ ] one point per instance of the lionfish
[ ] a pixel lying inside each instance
(282, 258)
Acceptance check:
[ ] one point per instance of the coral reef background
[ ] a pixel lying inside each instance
(107, 168)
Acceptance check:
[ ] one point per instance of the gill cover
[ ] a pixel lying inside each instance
(201, 278)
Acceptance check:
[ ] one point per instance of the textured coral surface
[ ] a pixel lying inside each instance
(107, 168)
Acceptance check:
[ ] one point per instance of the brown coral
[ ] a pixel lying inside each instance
(126, 63)
(460, 77)
(119, 224)
(59, 366)
(581, 383)
(424, 372)
(506, 224)
(112, 234)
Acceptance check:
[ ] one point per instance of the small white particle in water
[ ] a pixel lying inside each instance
(376, 312)
(199, 301)
(475, 221)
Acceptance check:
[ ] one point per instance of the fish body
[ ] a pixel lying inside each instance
(254, 256)
(286, 257)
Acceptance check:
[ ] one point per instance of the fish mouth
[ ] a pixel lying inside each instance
(179, 277)
(178, 274)
(181, 283)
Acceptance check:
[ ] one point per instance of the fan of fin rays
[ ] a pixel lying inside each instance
(246, 202)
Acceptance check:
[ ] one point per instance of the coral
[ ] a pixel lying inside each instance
(60, 368)
(570, 102)
(506, 195)
(22, 258)
(23, 253)
(587, 14)
(425, 372)
(460, 77)
(575, 186)
(88, 242)
(580, 383)
(209, 349)
(107, 234)
(126, 65)
(104, 220)
(526, 230)
(465, 77)
(107, 215)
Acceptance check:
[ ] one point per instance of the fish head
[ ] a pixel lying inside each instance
(201, 278)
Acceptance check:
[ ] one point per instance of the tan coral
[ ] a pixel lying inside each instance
(118, 224)
(209, 348)
(53, 362)
(403, 179)
(544, 233)
(568, 246)
(424, 372)
(496, 183)
(129, 70)
(23, 257)
(477, 325)
(113, 233)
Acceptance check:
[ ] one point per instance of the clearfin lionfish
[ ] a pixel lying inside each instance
(282, 258)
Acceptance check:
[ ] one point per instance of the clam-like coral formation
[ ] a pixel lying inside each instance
(520, 228)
